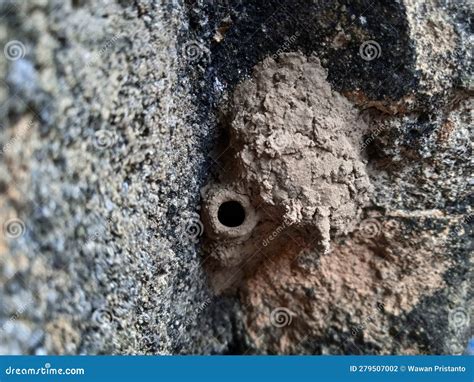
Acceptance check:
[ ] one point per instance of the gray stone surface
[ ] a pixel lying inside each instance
(106, 179)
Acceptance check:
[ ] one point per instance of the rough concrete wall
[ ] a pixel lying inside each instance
(110, 127)
(104, 172)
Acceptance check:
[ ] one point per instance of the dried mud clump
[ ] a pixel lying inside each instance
(292, 169)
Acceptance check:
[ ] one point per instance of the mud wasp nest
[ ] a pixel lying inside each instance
(293, 175)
